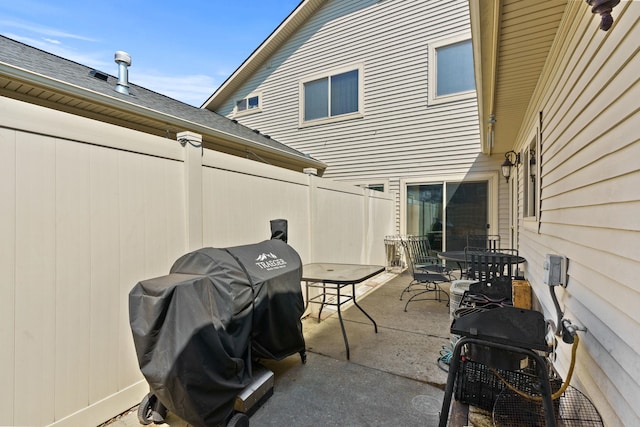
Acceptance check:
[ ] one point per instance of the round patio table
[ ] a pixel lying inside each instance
(460, 257)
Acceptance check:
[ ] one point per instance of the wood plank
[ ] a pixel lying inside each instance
(521, 294)
(459, 414)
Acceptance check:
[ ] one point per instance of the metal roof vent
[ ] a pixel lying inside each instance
(99, 75)
(123, 59)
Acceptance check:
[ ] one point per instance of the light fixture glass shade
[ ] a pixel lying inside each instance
(506, 168)
(507, 164)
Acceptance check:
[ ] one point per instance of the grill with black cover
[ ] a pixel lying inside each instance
(197, 330)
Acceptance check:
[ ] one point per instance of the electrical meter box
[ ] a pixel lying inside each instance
(555, 270)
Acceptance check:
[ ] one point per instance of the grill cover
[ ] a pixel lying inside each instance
(197, 329)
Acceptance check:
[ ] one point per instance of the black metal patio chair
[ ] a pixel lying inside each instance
(424, 257)
(485, 265)
(425, 284)
(487, 241)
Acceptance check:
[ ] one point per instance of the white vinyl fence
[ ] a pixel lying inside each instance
(88, 209)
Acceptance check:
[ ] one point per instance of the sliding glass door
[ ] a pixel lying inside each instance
(425, 204)
(462, 206)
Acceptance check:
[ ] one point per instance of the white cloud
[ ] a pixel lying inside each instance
(45, 31)
(95, 59)
(191, 89)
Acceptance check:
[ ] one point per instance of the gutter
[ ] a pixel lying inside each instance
(66, 88)
(486, 113)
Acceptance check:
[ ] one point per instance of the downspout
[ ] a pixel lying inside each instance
(493, 71)
(485, 15)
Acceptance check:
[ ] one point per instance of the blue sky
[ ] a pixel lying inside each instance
(183, 49)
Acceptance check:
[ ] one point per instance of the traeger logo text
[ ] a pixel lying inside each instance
(270, 262)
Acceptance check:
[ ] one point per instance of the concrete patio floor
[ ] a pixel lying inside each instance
(392, 378)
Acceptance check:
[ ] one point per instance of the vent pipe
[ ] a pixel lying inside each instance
(123, 59)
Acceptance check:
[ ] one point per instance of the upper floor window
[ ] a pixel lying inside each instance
(377, 186)
(451, 70)
(249, 104)
(331, 96)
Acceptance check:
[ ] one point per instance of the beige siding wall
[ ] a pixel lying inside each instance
(590, 209)
(400, 135)
(89, 209)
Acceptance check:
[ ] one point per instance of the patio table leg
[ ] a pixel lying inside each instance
(324, 299)
(375, 325)
(344, 332)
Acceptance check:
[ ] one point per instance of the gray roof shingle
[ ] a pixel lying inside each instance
(37, 61)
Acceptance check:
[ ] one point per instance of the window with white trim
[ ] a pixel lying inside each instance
(374, 186)
(451, 75)
(332, 96)
(249, 104)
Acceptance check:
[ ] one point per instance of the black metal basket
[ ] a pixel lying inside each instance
(572, 409)
(477, 385)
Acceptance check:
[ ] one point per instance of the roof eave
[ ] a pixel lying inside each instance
(485, 25)
(119, 104)
(502, 31)
(280, 35)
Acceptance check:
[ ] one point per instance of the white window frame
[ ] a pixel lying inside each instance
(491, 177)
(514, 217)
(368, 183)
(434, 99)
(237, 113)
(326, 74)
(531, 189)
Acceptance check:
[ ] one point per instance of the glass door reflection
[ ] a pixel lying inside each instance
(462, 206)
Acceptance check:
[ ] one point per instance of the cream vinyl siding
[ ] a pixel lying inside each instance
(590, 207)
(400, 134)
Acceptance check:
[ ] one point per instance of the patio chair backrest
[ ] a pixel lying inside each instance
(419, 249)
(487, 241)
(489, 264)
(422, 266)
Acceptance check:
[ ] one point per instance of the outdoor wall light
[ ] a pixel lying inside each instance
(603, 8)
(508, 163)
